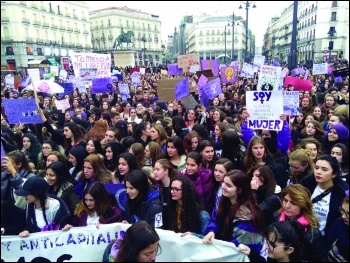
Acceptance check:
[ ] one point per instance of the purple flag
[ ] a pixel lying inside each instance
(22, 111)
(172, 69)
(102, 85)
(201, 81)
(229, 74)
(338, 79)
(212, 88)
(211, 64)
(276, 64)
(182, 89)
(301, 71)
(204, 101)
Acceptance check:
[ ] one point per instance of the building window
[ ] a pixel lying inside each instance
(109, 22)
(29, 50)
(334, 16)
(40, 51)
(9, 51)
(334, 3)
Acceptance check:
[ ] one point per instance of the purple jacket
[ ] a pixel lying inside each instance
(283, 136)
(202, 181)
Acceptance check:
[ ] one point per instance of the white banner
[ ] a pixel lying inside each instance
(87, 244)
(258, 62)
(34, 74)
(100, 62)
(291, 103)
(265, 108)
(321, 68)
(269, 78)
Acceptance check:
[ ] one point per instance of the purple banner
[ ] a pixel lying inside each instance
(102, 85)
(229, 74)
(298, 84)
(212, 88)
(68, 87)
(23, 111)
(173, 69)
(182, 89)
(276, 64)
(211, 64)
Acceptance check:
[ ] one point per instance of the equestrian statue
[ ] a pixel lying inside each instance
(124, 38)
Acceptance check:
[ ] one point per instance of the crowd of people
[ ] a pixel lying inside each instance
(280, 196)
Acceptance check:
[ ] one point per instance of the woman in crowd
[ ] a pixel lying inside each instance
(99, 130)
(239, 219)
(133, 116)
(94, 171)
(95, 208)
(127, 163)
(192, 119)
(338, 133)
(141, 133)
(219, 128)
(313, 129)
(327, 191)
(297, 205)
(201, 177)
(125, 110)
(139, 152)
(76, 158)
(47, 148)
(56, 157)
(185, 213)
(265, 190)
(221, 168)
(15, 168)
(283, 244)
(175, 153)
(301, 165)
(132, 248)
(341, 152)
(31, 148)
(143, 201)
(312, 145)
(159, 135)
(152, 154)
(111, 155)
(329, 113)
(191, 141)
(206, 150)
(338, 239)
(61, 184)
(43, 212)
(93, 146)
(296, 135)
(232, 148)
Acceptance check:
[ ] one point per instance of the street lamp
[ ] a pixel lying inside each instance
(163, 54)
(331, 33)
(143, 39)
(247, 5)
(233, 36)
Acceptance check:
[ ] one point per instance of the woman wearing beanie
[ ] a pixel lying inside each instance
(338, 133)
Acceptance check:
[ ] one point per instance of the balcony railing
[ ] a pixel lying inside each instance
(25, 21)
(36, 23)
(69, 29)
(6, 39)
(5, 19)
(45, 24)
(39, 41)
(29, 40)
(54, 27)
(68, 15)
(77, 30)
(84, 18)
(75, 16)
(34, 5)
(86, 32)
(62, 28)
(43, 8)
(79, 45)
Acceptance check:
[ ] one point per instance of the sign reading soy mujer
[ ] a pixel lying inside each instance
(100, 62)
(265, 108)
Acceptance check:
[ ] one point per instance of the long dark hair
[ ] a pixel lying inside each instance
(63, 177)
(132, 163)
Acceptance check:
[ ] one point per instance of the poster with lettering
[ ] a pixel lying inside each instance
(102, 85)
(291, 103)
(87, 74)
(186, 61)
(100, 62)
(62, 104)
(135, 78)
(9, 81)
(23, 111)
(258, 62)
(269, 78)
(212, 88)
(124, 91)
(67, 86)
(321, 68)
(229, 74)
(265, 108)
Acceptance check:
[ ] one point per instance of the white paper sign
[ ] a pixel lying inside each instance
(269, 78)
(258, 62)
(101, 62)
(62, 104)
(247, 71)
(34, 74)
(321, 68)
(194, 68)
(10, 81)
(54, 70)
(291, 103)
(87, 244)
(63, 74)
(265, 108)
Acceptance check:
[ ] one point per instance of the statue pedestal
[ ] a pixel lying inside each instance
(124, 58)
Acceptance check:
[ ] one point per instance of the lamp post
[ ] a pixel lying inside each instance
(143, 39)
(247, 5)
(233, 36)
(225, 46)
(331, 33)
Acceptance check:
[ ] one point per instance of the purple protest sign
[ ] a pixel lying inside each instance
(211, 64)
(68, 87)
(229, 74)
(172, 69)
(298, 84)
(212, 88)
(26, 81)
(276, 64)
(102, 85)
(204, 101)
(338, 79)
(182, 89)
(23, 111)
(201, 81)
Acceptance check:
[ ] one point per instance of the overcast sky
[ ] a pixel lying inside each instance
(171, 12)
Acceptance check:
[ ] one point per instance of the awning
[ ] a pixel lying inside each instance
(52, 61)
(35, 62)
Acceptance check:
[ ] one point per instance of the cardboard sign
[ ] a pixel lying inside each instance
(186, 61)
(166, 89)
(188, 102)
(207, 73)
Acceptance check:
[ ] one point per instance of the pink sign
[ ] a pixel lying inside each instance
(298, 84)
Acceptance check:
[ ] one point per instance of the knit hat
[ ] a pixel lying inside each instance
(342, 131)
(33, 185)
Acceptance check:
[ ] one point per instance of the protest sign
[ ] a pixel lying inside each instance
(182, 89)
(269, 78)
(68, 87)
(166, 88)
(9, 81)
(291, 103)
(135, 78)
(206, 72)
(211, 64)
(26, 80)
(102, 85)
(321, 68)
(142, 71)
(236, 63)
(229, 74)
(100, 62)
(87, 74)
(124, 91)
(247, 71)
(163, 72)
(194, 68)
(265, 108)
(188, 102)
(63, 74)
(258, 62)
(87, 244)
(54, 70)
(34, 74)
(212, 88)
(298, 84)
(284, 72)
(23, 111)
(201, 81)
(62, 104)
(172, 69)
(341, 72)
(186, 61)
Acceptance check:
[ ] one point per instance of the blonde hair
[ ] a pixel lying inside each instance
(302, 156)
